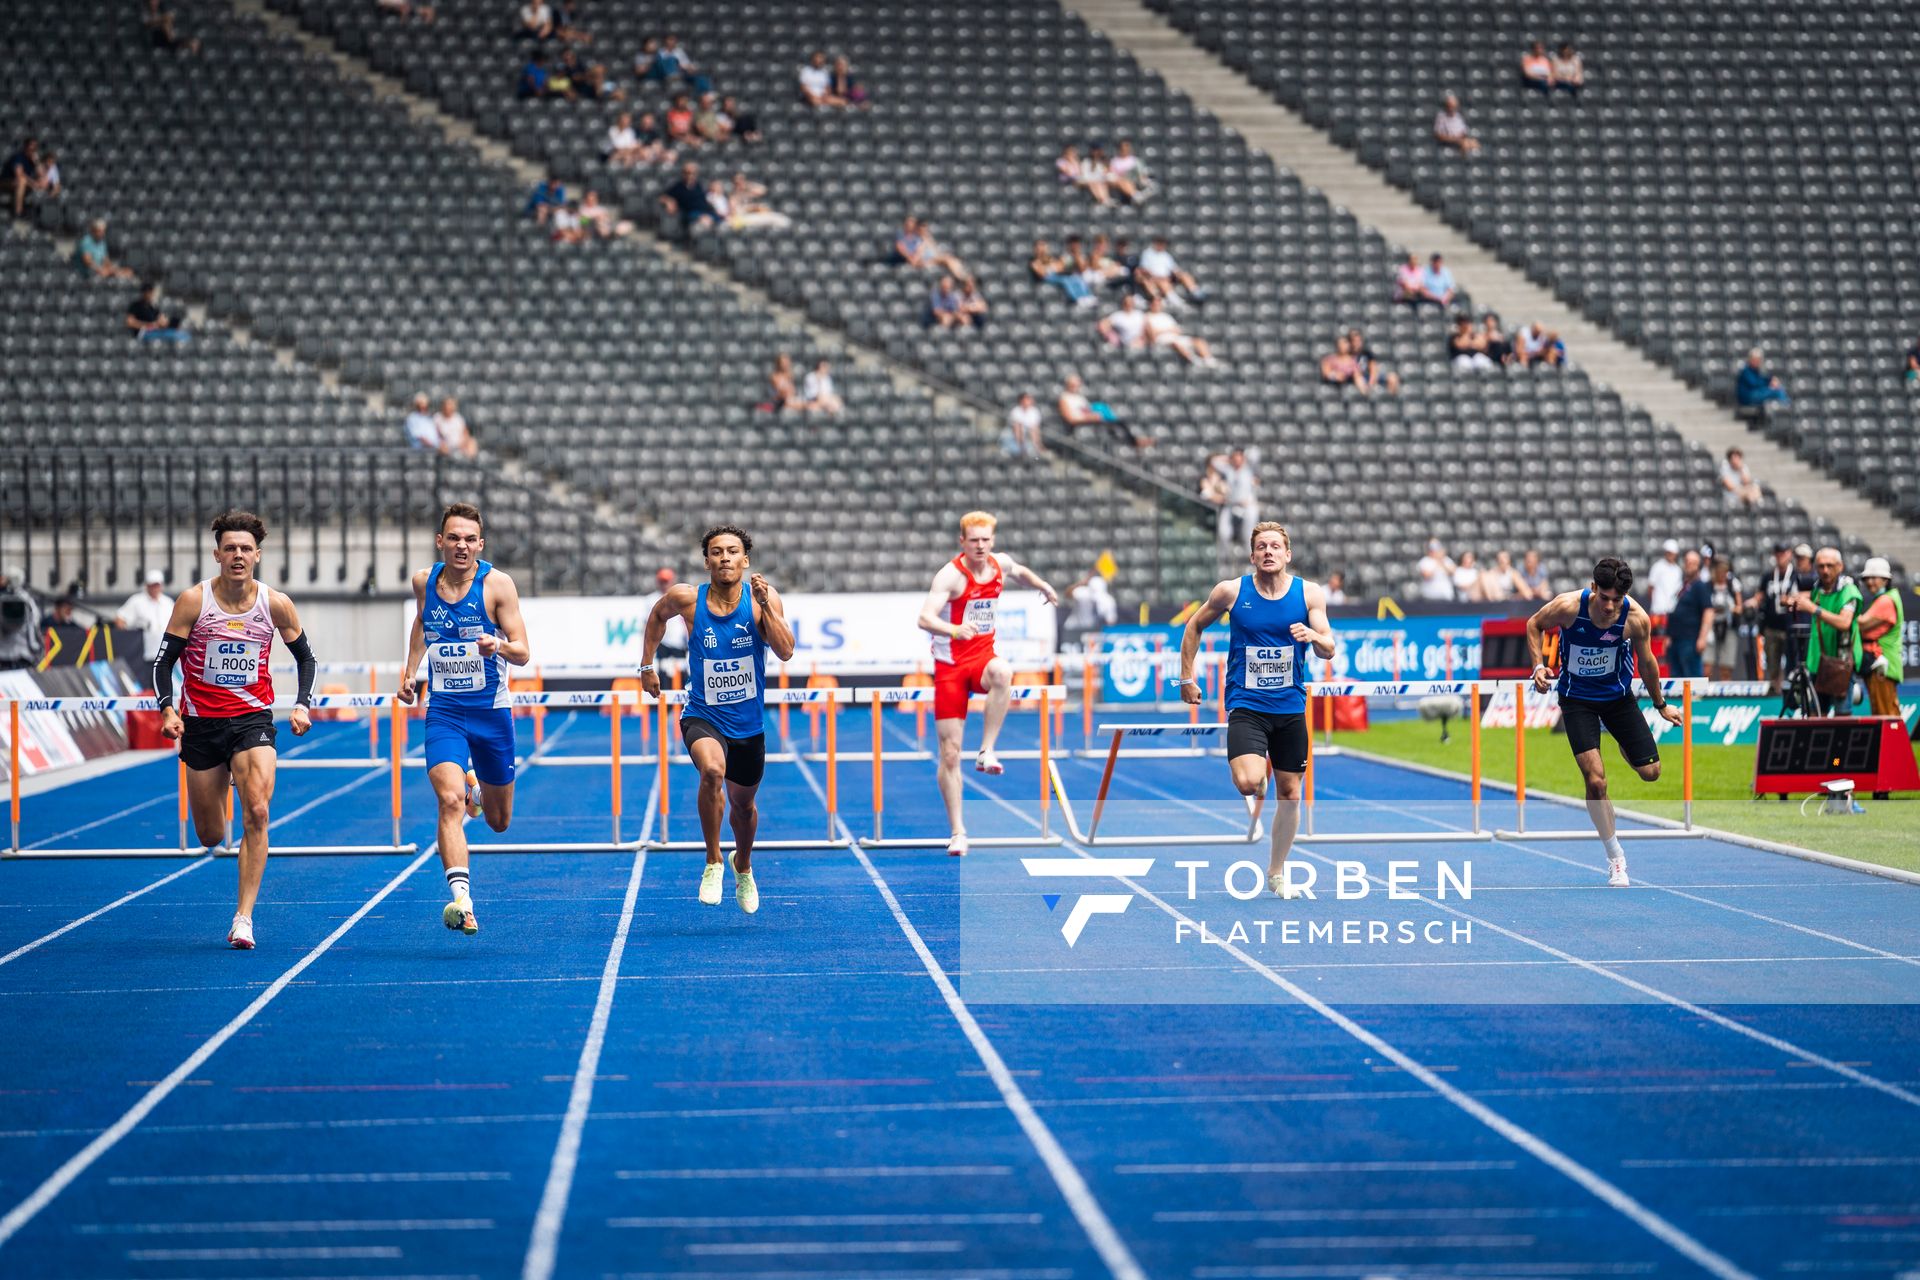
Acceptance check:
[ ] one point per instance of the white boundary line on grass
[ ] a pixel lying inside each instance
(543, 1247)
(44, 1194)
(1093, 1220)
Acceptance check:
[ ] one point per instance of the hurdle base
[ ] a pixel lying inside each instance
(1679, 834)
(318, 850)
(603, 846)
(1397, 837)
(940, 842)
(759, 846)
(21, 855)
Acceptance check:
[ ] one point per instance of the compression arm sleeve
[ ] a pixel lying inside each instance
(304, 665)
(171, 647)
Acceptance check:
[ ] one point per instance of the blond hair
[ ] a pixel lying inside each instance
(1269, 526)
(973, 518)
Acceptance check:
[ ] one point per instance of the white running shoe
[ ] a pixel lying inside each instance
(958, 845)
(711, 879)
(474, 806)
(1277, 882)
(1617, 872)
(240, 936)
(745, 891)
(987, 762)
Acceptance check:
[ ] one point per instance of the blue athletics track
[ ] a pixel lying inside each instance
(900, 1068)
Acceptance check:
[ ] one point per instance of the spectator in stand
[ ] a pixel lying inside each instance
(784, 391)
(1240, 508)
(1690, 621)
(1080, 171)
(586, 80)
(1534, 584)
(536, 21)
(846, 85)
(1435, 571)
(1755, 386)
(816, 83)
(1336, 587)
(547, 196)
(161, 33)
(1093, 607)
(943, 306)
(1536, 344)
(406, 9)
(745, 207)
(1723, 647)
(1450, 128)
(1664, 580)
(534, 81)
(1338, 368)
(1502, 581)
(1466, 578)
(1165, 331)
(1436, 284)
(1569, 71)
(624, 149)
(916, 247)
(422, 431)
(688, 199)
(1409, 283)
(1882, 628)
(565, 226)
(742, 124)
(680, 123)
(1126, 167)
(49, 186)
(707, 122)
(1116, 184)
(148, 611)
(598, 221)
(1126, 327)
(22, 174)
(1048, 267)
(147, 323)
(1832, 608)
(1536, 70)
(568, 27)
(1737, 486)
(1023, 428)
(455, 440)
(817, 391)
(1913, 363)
(90, 255)
(1466, 347)
(1373, 374)
(1494, 342)
(1077, 410)
(1212, 487)
(672, 60)
(973, 304)
(1159, 272)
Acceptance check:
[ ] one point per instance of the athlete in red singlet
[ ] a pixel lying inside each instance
(224, 628)
(959, 612)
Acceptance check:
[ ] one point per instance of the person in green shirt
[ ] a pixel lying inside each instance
(1833, 603)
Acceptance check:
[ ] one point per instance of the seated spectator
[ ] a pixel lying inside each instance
(1534, 584)
(916, 247)
(1435, 572)
(1164, 331)
(746, 209)
(1436, 284)
(1738, 487)
(1078, 171)
(817, 392)
(1466, 578)
(1466, 348)
(1126, 167)
(584, 80)
(1755, 386)
(422, 431)
(1213, 480)
(943, 306)
(90, 255)
(22, 174)
(1338, 368)
(1048, 267)
(1502, 581)
(707, 122)
(780, 382)
(549, 194)
(1408, 282)
(1536, 344)
(1098, 266)
(536, 21)
(1023, 428)
(146, 322)
(455, 440)
(816, 83)
(534, 81)
(1076, 411)
(673, 60)
(1336, 587)
(48, 184)
(1495, 343)
(565, 226)
(1450, 128)
(560, 77)
(718, 202)
(1536, 70)
(846, 86)
(161, 33)
(1373, 374)
(742, 124)
(406, 9)
(1569, 71)
(1116, 184)
(1125, 328)
(1159, 272)
(973, 304)
(623, 149)
(680, 124)
(1913, 362)
(688, 199)
(567, 27)
(599, 221)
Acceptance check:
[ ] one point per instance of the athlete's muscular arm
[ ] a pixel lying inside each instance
(1316, 630)
(1215, 607)
(503, 606)
(771, 618)
(675, 602)
(416, 641)
(287, 619)
(186, 610)
(1640, 636)
(1551, 616)
(946, 588)
(1014, 569)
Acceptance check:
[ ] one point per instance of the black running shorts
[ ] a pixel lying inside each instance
(212, 741)
(1281, 738)
(746, 757)
(1622, 718)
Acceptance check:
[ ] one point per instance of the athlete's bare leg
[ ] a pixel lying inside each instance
(253, 775)
(744, 816)
(948, 772)
(450, 789)
(998, 677)
(207, 802)
(711, 759)
(1599, 803)
(496, 805)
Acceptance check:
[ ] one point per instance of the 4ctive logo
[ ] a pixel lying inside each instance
(1087, 905)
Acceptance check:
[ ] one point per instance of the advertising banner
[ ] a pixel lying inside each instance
(1722, 722)
(44, 740)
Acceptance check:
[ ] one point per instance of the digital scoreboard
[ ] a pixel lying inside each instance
(1803, 755)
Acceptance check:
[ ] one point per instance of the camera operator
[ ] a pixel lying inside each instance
(20, 638)
(1775, 616)
(1793, 578)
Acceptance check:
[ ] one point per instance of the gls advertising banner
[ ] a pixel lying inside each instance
(880, 627)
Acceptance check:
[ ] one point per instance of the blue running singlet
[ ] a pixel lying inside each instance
(1596, 663)
(1266, 666)
(727, 668)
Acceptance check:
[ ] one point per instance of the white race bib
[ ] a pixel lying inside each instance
(456, 666)
(980, 616)
(1269, 666)
(231, 664)
(727, 680)
(1591, 663)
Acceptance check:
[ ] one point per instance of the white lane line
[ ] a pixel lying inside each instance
(794, 1221)
(1447, 1213)
(782, 1248)
(1322, 1166)
(1639, 1214)
(1774, 1042)
(1423, 1271)
(284, 1253)
(544, 1245)
(825, 1171)
(282, 1227)
(1777, 1162)
(1396, 1242)
(1080, 1200)
(79, 1163)
(302, 1179)
(71, 925)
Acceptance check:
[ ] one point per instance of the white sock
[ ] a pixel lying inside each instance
(457, 883)
(1613, 848)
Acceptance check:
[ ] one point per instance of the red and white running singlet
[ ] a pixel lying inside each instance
(226, 658)
(974, 606)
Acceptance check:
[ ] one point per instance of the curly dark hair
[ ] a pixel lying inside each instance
(1612, 573)
(746, 543)
(239, 522)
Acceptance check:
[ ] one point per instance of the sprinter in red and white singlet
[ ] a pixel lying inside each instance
(224, 629)
(959, 612)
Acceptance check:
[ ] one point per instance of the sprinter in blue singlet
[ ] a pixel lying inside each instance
(467, 626)
(1275, 618)
(1605, 640)
(731, 622)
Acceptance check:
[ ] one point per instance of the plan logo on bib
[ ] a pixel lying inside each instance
(1087, 905)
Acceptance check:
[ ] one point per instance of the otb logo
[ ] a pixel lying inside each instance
(1087, 905)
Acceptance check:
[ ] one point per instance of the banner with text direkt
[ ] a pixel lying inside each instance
(876, 628)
